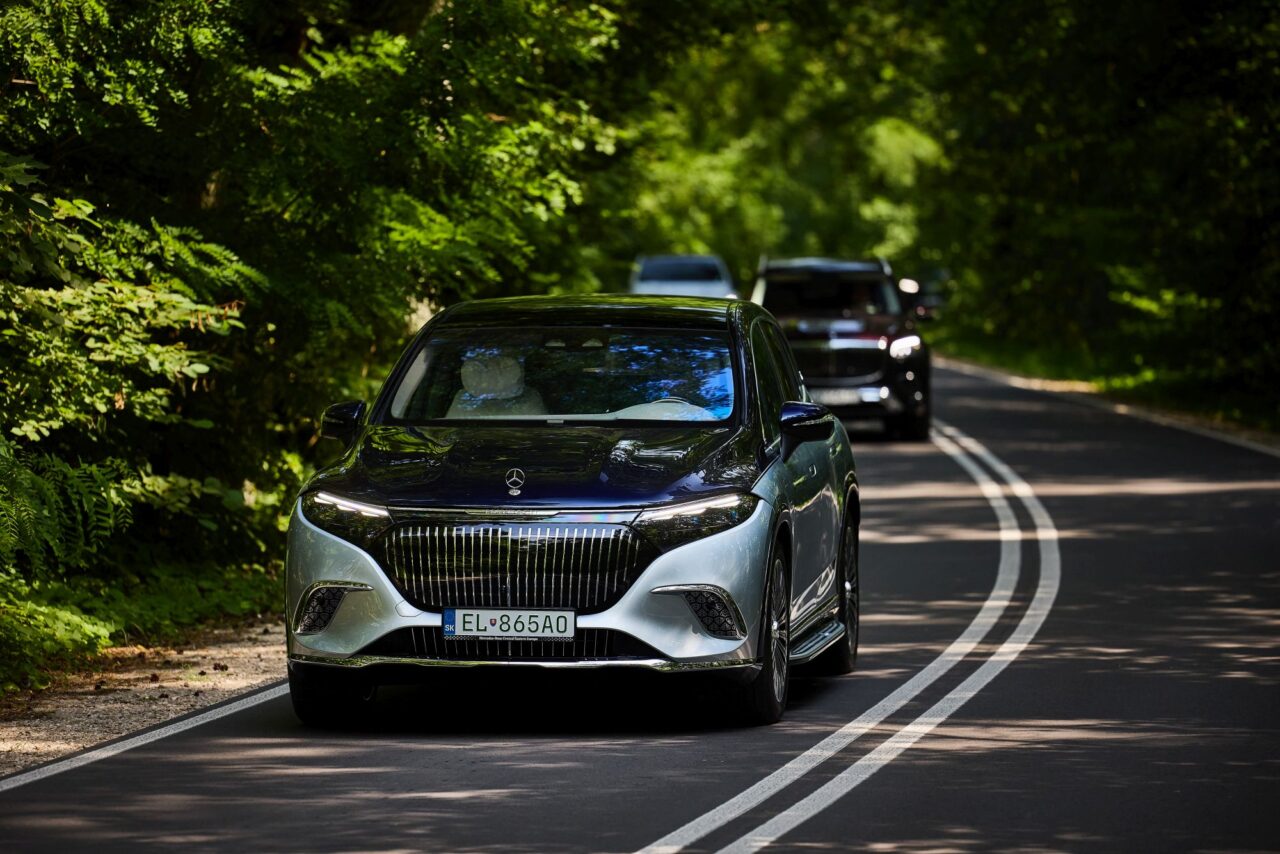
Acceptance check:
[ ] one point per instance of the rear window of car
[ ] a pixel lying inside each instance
(679, 270)
(568, 373)
(824, 293)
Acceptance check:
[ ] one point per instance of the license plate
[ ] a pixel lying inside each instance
(846, 396)
(508, 624)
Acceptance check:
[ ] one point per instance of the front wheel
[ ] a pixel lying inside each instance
(765, 698)
(843, 657)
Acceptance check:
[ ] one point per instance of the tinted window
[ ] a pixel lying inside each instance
(769, 379)
(781, 352)
(822, 293)
(568, 374)
(679, 270)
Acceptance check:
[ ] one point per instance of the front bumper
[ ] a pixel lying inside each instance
(885, 397)
(373, 608)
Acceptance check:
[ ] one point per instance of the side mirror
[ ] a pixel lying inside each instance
(341, 420)
(804, 422)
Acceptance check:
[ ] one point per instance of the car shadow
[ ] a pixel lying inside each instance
(537, 702)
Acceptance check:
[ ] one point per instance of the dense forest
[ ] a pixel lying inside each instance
(218, 216)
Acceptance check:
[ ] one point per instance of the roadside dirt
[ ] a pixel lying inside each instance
(133, 687)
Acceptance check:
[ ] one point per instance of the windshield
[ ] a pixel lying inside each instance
(820, 293)
(563, 374)
(680, 270)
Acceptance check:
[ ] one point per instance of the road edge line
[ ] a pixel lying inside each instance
(1127, 410)
(114, 748)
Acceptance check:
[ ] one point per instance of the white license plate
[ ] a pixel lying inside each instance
(847, 396)
(508, 624)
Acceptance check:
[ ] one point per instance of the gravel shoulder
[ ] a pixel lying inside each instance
(133, 687)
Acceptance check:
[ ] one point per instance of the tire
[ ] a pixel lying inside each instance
(764, 698)
(843, 657)
(911, 427)
(326, 696)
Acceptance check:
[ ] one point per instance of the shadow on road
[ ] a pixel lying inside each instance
(490, 701)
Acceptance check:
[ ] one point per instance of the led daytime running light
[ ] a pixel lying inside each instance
(350, 506)
(693, 508)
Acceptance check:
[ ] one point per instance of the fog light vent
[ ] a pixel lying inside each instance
(714, 613)
(319, 608)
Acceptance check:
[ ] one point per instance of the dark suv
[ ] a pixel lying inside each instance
(855, 342)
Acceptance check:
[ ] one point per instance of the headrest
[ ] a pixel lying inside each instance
(492, 377)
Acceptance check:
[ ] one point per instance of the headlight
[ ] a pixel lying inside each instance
(353, 521)
(677, 524)
(901, 348)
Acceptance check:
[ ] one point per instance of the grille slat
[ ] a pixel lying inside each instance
(586, 567)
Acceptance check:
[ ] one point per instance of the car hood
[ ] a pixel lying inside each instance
(563, 466)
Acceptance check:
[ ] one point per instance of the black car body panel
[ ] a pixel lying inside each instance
(567, 466)
(853, 360)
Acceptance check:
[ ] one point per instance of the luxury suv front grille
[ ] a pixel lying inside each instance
(586, 567)
(587, 644)
(820, 361)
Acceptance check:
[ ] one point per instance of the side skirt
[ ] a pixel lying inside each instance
(817, 641)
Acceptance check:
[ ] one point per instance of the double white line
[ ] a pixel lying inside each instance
(963, 449)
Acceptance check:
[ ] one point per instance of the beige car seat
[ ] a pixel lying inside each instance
(493, 386)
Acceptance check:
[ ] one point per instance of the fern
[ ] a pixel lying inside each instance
(55, 516)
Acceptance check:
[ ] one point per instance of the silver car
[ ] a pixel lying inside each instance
(579, 483)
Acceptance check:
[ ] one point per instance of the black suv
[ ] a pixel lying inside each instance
(854, 340)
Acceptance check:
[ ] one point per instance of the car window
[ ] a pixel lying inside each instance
(680, 270)
(792, 387)
(769, 380)
(821, 293)
(570, 373)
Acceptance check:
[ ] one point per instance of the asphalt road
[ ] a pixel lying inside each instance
(1078, 652)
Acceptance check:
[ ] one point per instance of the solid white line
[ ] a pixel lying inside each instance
(1006, 581)
(82, 759)
(1123, 409)
(1032, 620)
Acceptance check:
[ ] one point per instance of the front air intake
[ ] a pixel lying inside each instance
(318, 609)
(320, 603)
(713, 613)
(714, 608)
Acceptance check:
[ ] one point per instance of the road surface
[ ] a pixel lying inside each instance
(1071, 624)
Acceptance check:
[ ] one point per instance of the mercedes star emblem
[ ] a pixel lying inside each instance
(515, 480)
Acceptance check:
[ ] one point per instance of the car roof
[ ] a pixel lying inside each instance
(613, 309)
(833, 265)
(714, 259)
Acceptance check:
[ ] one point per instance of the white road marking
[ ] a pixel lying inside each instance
(1028, 626)
(1006, 581)
(96, 754)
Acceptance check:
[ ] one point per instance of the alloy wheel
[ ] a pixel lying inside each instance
(779, 613)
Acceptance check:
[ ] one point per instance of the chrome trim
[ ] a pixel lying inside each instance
(818, 643)
(495, 564)
(350, 586)
(658, 664)
(724, 595)
(827, 609)
(606, 516)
